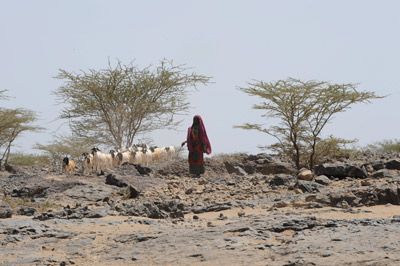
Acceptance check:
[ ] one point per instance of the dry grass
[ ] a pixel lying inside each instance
(15, 203)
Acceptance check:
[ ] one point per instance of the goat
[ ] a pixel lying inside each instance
(125, 157)
(87, 163)
(171, 152)
(115, 158)
(68, 165)
(101, 161)
(147, 156)
(157, 153)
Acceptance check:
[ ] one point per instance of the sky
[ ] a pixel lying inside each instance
(232, 41)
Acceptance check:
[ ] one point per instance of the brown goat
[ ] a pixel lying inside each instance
(68, 165)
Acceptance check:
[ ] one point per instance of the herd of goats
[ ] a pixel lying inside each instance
(97, 161)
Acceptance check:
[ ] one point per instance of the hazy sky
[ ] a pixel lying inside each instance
(232, 41)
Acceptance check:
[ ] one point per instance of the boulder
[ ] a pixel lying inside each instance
(308, 186)
(281, 180)
(275, 168)
(234, 169)
(5, 211)
(305, 174)
(132, 192)
(340, 170)
(113, 180)
(323, 180)
(383, 173)
(26, 211)
(339, 197)
(378, 165)
(393, 164)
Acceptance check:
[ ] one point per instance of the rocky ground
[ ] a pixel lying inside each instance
(246, 209)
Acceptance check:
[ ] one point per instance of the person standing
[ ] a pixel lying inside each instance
(197, 144)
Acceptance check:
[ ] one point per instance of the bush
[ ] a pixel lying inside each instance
(23, 159)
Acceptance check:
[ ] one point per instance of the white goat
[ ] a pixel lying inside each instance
(158, 153)
(171, 152)
(101, 161)
(147, 156)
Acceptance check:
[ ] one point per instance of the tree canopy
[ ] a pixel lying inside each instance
(303, 109)
(113, 105)
(13, 122)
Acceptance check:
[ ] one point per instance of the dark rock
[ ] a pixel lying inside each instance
(272, 168)
(295, 225)
(142, 169)
(234, 169)
(132, 193)
(213, 208)
(308, 186)
(377, 165)
(339, 197)
(154, 210)
(282, 180)
(319, 198)
(29, 192)
(340, 170)
(323, 180)
(237, 230)
(113, 180)
(97, 213)
(382, 173)
(10, 169)
(5, 211)
(250, 167)
(27, 211)
(393, 164)
(133, 238)
(389, 195)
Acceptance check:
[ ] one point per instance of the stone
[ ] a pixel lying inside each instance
(382, 173)
(339, 197)
(308, 186)
(282, 180)
(234, 169)
(305, 174)
(142, 169)
(27, 211)
(132, 193)
(5, 211)
(113, 180)
(241, 213)
(272, 168)
(378, 165)
(340, 170)
(365, 183)
(213, 208)
(393, 164)
(323, 180)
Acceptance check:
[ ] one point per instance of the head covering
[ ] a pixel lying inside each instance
(202, 136)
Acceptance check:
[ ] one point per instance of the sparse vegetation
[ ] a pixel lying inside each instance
(113, 105)
(386, 146)
(15, 202)
(303, 109)
(23, 159)
(71, 146)
(13, 122)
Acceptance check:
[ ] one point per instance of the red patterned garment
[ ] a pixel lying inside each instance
(198, 144)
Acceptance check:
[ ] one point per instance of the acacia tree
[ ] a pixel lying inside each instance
(114, 105)
(13, 122)
(303, 109)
